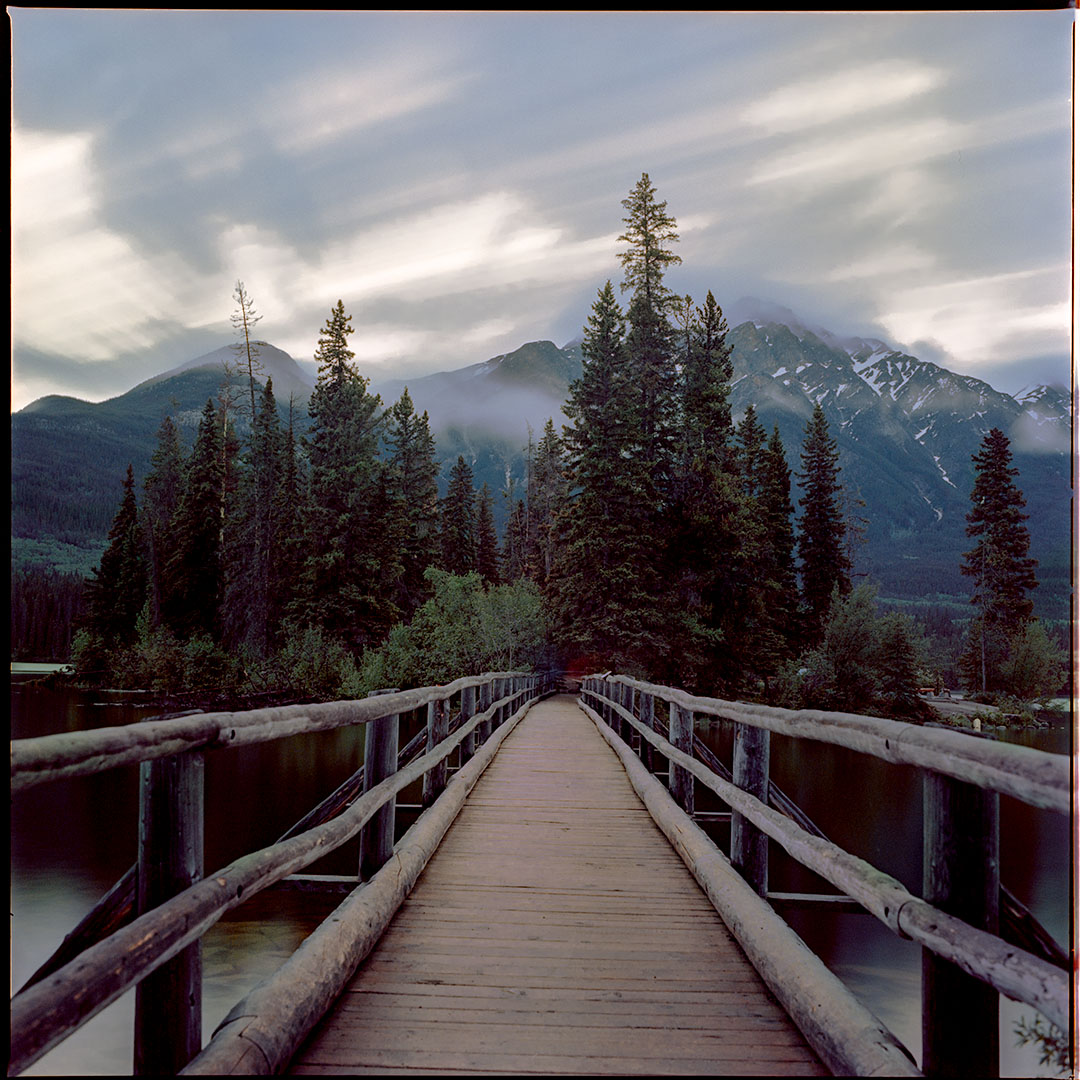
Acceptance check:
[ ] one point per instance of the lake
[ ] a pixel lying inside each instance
(71, 840)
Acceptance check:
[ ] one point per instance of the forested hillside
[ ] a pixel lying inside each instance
(674, 498)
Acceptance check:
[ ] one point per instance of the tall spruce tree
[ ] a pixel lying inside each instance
(349, 574)
(459, 520)
(1002, 571)
(604, 589)
(161, 497)
(781, 597)
(117, 589)
(824, 565)
(193, 577)
(414, 473)
(487, 543)
(651, 345)
(515, 543)
(252, 559)
(546, 495)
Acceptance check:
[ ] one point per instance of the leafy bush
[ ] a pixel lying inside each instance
(313, 664)
(865, 663)
(462, 629)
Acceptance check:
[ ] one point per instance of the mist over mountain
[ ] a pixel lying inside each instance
(906, 429)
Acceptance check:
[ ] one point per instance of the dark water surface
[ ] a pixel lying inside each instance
(71, 840)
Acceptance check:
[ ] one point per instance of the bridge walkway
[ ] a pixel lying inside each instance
(555, 930)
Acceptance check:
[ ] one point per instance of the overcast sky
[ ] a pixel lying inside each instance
(457, 180)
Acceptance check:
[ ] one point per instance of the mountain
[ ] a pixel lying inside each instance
(289, 378)
(906, 430)
(505, 395)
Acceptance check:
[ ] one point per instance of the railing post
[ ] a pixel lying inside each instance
(961, 877)
(380, 761)
(645, 715)
(468, 711)
(681, 736)
(168, 1002)
(750, 771)
(435, 778)
(483, 705)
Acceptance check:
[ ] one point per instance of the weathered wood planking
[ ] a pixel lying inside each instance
(555, 930)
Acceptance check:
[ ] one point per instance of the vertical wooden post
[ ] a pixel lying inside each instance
(645, 715)
(380, 761)
(681, 736)
(626, 700)
(435, 778)
(168, 1002)
(750, 771)
(961, 877)
(468, 711)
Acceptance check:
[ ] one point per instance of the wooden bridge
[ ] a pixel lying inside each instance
(555, 908)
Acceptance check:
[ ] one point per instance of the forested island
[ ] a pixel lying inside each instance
(656, 536)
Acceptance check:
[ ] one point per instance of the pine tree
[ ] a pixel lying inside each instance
(247, 360)
(711, 533)
(117, 589)
(547, 493)
(706, 389)
(824, 564)
(459, 520)
(651, 348)
(161, 497)
(487, 545)
(515, 542)
(193, 576)
(252, 558)
(749, 454)
(999, 565)
(350, 573)
(776, 511)
(291, 510)
(414, 473)
(604, 589)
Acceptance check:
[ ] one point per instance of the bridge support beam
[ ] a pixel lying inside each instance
(750, 771)
(168, 1002)
(380, 761)
(961, 877)
(681, 736)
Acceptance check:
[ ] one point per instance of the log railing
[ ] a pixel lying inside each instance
(965, 962)
(159, 947)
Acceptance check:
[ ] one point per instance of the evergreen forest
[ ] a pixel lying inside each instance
(655, 536)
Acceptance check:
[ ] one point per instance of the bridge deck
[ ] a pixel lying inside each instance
(555, 930)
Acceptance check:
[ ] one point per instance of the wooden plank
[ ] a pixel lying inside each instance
(555, 930)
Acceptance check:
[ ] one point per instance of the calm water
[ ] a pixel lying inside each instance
(71, 840)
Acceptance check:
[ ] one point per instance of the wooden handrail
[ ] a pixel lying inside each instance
(55, 757)
(1033, 776)
(1020, 976)
(46, 1013)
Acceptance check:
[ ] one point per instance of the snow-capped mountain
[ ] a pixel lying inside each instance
(906, 430)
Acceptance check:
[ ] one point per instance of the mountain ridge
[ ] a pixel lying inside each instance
(906, 429)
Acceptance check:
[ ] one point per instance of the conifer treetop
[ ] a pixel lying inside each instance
(649, 231)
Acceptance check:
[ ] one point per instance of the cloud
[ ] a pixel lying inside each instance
(842, 95)
(78, 287)
(337, 104)
(985, 321)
